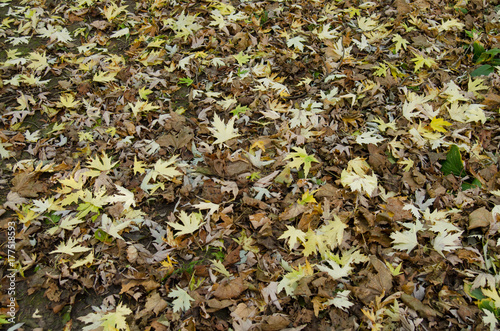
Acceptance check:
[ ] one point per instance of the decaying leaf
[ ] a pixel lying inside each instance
(252, 165)
(230, 289)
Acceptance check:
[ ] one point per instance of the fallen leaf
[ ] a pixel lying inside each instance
(374, 283)
(274, 322)
(415, 304)
(231, 289)
(27, 185)
(154, 304)
(292, 211)
(480, 218)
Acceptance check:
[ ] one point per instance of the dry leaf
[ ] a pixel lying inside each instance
(231, 289)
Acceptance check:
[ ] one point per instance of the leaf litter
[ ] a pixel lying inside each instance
(253, 165)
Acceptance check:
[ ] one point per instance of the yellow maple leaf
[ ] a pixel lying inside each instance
(86, 261)
(103, 164)
(476, 85)
(308, 197)
(367, 23)
(164, 168)
(420, 61)
(104, 76)
(71, 247)
(407, 163)
(293, 234)
(400, 42)
(220, 268)
(68, 101)
(138, 166)
(300, 157)
(291, 280)
(449, 25)
(260, 144)
(332, 233)
(438, 123)
(144, 92)
(312, 243)
(190, 223)
(113, 11)
(142, 106)
(38, 61)
(222, 131)
(241, 58)
(116, 321)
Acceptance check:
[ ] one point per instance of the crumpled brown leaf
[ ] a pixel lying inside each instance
(292, 211)
(230, 289)
(274, 322)
(154, 304)
(480, 218)
(28, 185)
(182, 139)
(375, 283)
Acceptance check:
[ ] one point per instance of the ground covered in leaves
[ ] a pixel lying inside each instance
(250, 165)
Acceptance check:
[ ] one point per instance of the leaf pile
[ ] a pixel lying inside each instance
(253, 165)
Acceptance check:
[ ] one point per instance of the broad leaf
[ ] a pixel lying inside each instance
(453, 163)
(222, 131)
(483, 70)
(182, 300)
(116, 320)
(300, 157)
(190, 223)
(71, 247)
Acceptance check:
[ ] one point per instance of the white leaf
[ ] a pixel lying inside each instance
(296, 42)
(341, 300)
(256, 161)
(414, 210)
(336, 271)
(269, 294)
(5, 154)
(326, 33)
(207, 205)
(32, 137)
(182, 300)
(406, 240)
(190, 223)
(113, 228)
(360, 183)
(369, 137)
(120, 33)
(490, 319)
(124, 196)
(71, 247)
(222, 131)
(447, 242)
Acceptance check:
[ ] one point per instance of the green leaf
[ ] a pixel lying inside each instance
(483, 70)
(242, 58)
(300, 157)
(487, 304)
(478, 49)
(453, 163)
(493, 51)
(477, 294)
(475, 183)
(3, 319)
(187, 81)
(239, 110)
